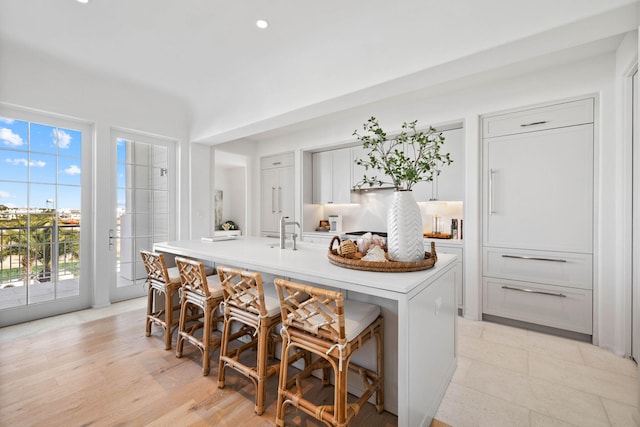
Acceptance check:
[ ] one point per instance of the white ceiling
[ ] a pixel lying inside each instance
(315, 58)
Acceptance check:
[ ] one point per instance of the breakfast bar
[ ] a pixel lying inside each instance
(419, 310)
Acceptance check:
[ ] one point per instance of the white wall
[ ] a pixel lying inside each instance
(232, 181)
(36, 80)
(488, 94)
(626, 63)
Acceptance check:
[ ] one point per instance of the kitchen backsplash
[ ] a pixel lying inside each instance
(371, 213)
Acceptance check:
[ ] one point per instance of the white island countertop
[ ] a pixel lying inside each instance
(309, 262)
(419, 310)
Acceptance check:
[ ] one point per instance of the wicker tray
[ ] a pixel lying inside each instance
(429, 261)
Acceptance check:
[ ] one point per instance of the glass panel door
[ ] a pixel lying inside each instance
(144, 187)
(41, 183)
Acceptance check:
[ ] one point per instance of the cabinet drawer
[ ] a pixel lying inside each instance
(277, 161)
(554, 306)
(314, 238)
(534, 119)
(553, 268)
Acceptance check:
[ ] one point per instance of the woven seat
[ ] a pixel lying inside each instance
(201, 297)
(257, 314)
(332, 329)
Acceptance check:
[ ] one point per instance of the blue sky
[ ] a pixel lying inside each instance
(51, 155)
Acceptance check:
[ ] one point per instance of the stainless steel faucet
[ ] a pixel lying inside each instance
(283, 226)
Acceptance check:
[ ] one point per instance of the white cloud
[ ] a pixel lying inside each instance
(72, 170)
(4, 195)
(9, 138)
(6, 120)
(24, 162)
(63, 138)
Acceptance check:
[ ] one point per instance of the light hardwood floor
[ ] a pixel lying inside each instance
(96, 367)
(72, 371)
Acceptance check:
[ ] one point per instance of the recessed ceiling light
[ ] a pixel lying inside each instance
(83, 1)
(262, 24)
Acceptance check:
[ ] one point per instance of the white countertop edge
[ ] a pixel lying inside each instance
(310, 263)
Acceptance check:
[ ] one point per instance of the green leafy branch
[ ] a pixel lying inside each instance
(408, 158)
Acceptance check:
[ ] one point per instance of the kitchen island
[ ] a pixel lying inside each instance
(419, 309)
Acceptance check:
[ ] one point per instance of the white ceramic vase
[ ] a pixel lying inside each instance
(404, 228)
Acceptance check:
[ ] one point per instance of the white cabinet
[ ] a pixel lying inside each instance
(554, 306)
(321, 238)
(538, 190)
(539, 118)
(449, 185)
(538, 215)
(455, 249)
(332, 176)
(276, 192)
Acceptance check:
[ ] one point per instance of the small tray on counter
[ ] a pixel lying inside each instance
(437, 235)
(429, 261)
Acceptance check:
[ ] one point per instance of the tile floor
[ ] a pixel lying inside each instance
(513, 377)
(506, 376)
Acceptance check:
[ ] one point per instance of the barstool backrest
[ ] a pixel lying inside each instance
(243, 289)
(314, 310)
(193, 276)
(155, 265)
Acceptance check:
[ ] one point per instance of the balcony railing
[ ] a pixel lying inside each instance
(29, 252)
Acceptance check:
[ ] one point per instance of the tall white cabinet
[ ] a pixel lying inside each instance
(276, 192)
(538, 215)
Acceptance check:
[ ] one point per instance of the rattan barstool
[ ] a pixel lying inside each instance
(200, 299)
(333, 329)
(162, 282)
(257, 314)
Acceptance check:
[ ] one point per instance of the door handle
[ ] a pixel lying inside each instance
(279, 199)
(491, 173)
(531, 291)
(534, 258)
(273, 200)
(112, 237)
(524, 125)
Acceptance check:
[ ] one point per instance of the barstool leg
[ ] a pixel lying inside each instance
(282, 383)
(181, 327)
(340, 402)
(206, 342)
(168, 319)
(380, 359)
(149, 309)
(261, 368)
(226, 327)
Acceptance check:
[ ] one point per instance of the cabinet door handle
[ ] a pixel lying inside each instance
(276, 163)
(491, 173)
(531, 291)
(534, 258)
(273, 199)
(524, 125)
(279, 199)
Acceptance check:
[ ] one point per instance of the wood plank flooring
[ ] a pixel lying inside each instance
(107, 372)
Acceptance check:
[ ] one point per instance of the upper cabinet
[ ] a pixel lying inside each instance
(332, 176)
(277, 191)
(564, 114)
(449, 185)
